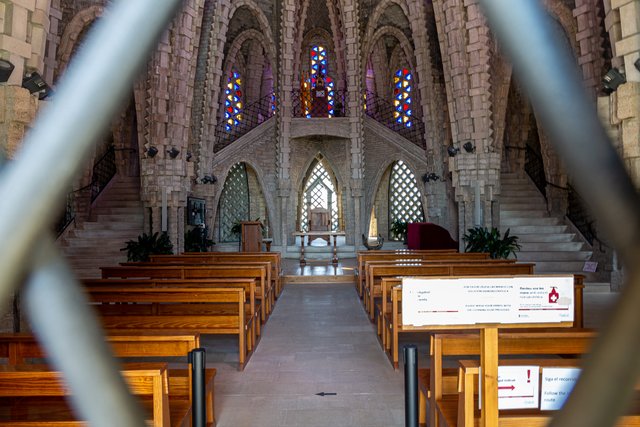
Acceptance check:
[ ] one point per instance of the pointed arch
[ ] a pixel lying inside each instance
(319, 188)
(71, 35)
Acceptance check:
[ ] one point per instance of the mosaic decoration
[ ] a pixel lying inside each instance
(405, 203)
(233, 101)
(402, 97)
(234, 202)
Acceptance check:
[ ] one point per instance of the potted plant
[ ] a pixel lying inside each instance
(399, 230)
(481, 239)
(139, 250)
(196, 240)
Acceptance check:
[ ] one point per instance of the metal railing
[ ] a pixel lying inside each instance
(229, 130)
(534, 166)
(579, 216)
(304, 105)
(383, 111)
(68, 215)
(35, 183)
(103, 171)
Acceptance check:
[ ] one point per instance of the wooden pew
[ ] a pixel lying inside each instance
(249, 285)
(438, 386)
(376, 270)
(409, 256)
(17, 348)
(188, 261)
(258, 273)
(201, 310)
(274, 258)
(28, 396)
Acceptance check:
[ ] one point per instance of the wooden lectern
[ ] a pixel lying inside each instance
(251, 235)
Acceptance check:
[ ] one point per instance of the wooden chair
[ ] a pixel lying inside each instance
(320, 220)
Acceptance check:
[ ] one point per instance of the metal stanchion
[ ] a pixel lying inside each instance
(197, 359)
(410, 354)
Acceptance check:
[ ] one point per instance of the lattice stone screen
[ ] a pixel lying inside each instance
(234, 202)
(319, 191)
(405, 203)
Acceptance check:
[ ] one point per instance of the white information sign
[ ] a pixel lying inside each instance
(557, 384)
(518, 387)
(476, 300)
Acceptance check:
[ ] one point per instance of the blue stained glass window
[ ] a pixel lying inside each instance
(318, 58)
(402, 97)
(233, 101)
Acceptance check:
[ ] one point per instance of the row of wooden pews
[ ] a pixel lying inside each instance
(380, 284)
(157, 309)
(449, 397)
(33, 394)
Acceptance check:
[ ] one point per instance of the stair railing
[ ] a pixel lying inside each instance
(103, 171)
(384, 112)
(534, 167)
(37, 180)
(252, 115)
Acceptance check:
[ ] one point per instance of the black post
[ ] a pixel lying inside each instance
(197, 359)
(410, 386)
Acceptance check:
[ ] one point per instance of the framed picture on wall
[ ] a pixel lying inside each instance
(195, 211)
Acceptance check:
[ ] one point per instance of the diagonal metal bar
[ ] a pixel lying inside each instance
(35, 183)
(63, 321)
(551, 78)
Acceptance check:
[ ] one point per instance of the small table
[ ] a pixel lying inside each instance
(267, 244)
(333, 235)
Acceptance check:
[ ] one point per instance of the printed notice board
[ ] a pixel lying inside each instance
(487, 300)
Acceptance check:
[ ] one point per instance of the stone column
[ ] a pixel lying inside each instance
(354, 84)
(283, 129)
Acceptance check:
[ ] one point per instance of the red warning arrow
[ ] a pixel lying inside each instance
(508, 387)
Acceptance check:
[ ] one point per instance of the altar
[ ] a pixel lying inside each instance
(309, 236)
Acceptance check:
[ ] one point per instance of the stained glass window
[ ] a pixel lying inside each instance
(319, 192)
(233, 101)
(402, 97)
(318, 66)
(405, 203)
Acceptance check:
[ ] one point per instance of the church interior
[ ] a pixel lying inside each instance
(295, 142)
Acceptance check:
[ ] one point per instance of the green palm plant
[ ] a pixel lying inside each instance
(481, 239)
(148, 244)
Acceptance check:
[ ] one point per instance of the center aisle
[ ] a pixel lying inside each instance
(318, 339)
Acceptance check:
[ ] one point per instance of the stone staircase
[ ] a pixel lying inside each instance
(116, 216)
(545, 240)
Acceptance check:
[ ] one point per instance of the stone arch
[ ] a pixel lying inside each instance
(317, 36)
(76, 26)
(339, 48)
(204, 134)
(375, 17)
(555, 175)
(334, 174)
(565, 17)
(381, 184)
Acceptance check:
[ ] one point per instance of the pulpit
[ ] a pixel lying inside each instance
(251, 233)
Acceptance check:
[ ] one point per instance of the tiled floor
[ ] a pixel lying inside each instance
(318, 339)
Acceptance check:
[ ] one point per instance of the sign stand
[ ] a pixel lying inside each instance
(489, 369)
(488, 303)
